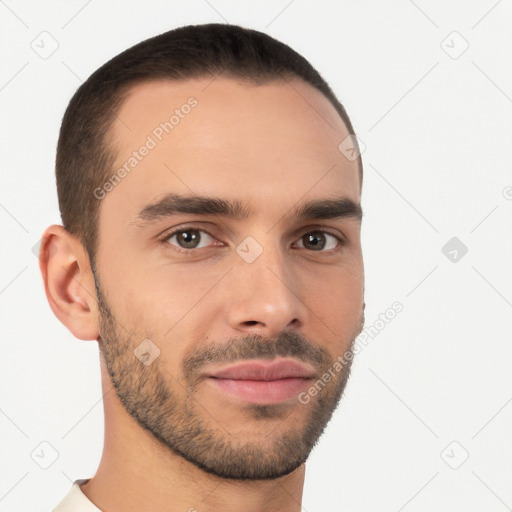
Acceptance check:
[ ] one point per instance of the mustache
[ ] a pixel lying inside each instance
(255, 346)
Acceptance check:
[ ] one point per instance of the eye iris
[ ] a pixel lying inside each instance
(316, 239)
(188, 239)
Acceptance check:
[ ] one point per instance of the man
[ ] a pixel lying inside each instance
(209, 185)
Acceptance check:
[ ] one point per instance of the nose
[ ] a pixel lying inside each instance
(265, 296)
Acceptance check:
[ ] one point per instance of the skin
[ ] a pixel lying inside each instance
(272, 147)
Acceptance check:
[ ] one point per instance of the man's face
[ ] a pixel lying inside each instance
(215, 291)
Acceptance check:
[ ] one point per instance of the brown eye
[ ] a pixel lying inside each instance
(319, 240)
(188, 238)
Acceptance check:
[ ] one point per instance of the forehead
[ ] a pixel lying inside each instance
(272, 144)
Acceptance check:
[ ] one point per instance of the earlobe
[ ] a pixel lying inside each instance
(68, 282)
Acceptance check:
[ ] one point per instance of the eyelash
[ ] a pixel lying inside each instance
(167, 236)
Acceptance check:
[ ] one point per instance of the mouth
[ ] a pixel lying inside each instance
(262, 381)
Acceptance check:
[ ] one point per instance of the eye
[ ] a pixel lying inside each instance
(188, 239)
(320, 240)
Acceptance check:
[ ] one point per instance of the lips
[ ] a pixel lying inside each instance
(261, 381)
(262, 370)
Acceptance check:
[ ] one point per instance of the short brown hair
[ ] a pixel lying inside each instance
(84, 157)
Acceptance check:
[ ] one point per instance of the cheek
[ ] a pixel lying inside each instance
(336, 297)
(162, 299)
(143, 282)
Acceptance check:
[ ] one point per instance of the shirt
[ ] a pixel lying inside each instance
(76, 501)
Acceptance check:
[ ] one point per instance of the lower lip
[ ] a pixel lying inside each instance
(262, 391)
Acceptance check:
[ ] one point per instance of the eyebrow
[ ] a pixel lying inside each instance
(174, 204)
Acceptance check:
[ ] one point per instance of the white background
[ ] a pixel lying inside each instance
(437, 131)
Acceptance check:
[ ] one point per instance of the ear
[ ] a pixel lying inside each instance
(69, 282)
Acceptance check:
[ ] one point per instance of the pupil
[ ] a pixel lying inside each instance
(188, 238)
(315, 240)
